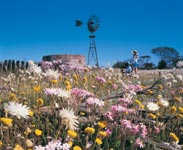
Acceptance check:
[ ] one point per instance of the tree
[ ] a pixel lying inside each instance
(143, 60)
(162, 64)
(119, 65)
(167, 54)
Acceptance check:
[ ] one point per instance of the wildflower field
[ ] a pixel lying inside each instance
(65, 107)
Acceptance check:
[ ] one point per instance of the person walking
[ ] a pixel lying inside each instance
(135, 60)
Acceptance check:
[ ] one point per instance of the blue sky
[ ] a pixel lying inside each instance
(30, 29)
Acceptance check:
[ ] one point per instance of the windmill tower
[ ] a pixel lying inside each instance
(93, 25)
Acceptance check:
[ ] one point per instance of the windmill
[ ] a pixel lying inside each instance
(93, 25)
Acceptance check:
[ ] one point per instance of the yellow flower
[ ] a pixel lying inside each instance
(1, 143)
(77, 148)
(178, 99)
(181, 90)
(60, 77)
(18, 147)
(138, 102)
(174, 137)
(72, 133)
(68, 87)
(40, 101)
(67, 83)
(85, 79)
(90, 130)
(98, 141)
(152, 116)
(82, 113)
(149, 92)
(70, 143)
(12, 96)
(179, 115)
(180, 109)
(102, 134)
(93, 75)
(28, 130)
(75, 76)
(28, 143)
(38, 132)
(37, 89)
(160, 87)
(109, 82)
(54, 81)
(7, 121)
(31, 113)
(102, 124)
(173, 109)
(159, 96)
(141, 106)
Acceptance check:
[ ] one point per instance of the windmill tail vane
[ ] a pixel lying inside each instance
(78, 23)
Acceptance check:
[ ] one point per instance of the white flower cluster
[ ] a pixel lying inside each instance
(94, 101)
(54, 145)
(151, 106)
(34, 68)
(179, 64)
(58, 92)
(52, 74)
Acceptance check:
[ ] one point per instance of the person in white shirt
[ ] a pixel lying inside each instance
(135, 60)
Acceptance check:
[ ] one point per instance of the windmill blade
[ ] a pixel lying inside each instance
(93, 23)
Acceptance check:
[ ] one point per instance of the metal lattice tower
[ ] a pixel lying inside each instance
(93, 25)
(92, 54)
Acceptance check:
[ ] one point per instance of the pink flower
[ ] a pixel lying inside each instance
(101, 80)
(109, 132)
(156, 130)
(139, 143)
(125, 100)
(135, 129)
(143, 130)
(94, 101)
(114, 86)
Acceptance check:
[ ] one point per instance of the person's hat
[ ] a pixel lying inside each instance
(134, 52)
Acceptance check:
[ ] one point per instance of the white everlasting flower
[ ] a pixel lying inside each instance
(179, 76)
(69, 118)
(35, 69)
(174, 81)
(58, 92)
(39, 147)
(16, 109)
(151, 106)
(65, 146)
(179, 64)
(163, 102)
(52, 74)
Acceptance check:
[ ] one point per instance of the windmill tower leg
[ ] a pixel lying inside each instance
(92, 55)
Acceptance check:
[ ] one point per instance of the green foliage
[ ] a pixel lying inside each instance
(162, 64)
(119, 65)
(168, 54)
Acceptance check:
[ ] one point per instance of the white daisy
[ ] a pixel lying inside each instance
(17, 109)
(69, 118)
(58, 92)
(34, 68)
(52, 74)
(151, 106)
(179, 76)
(163, 102)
